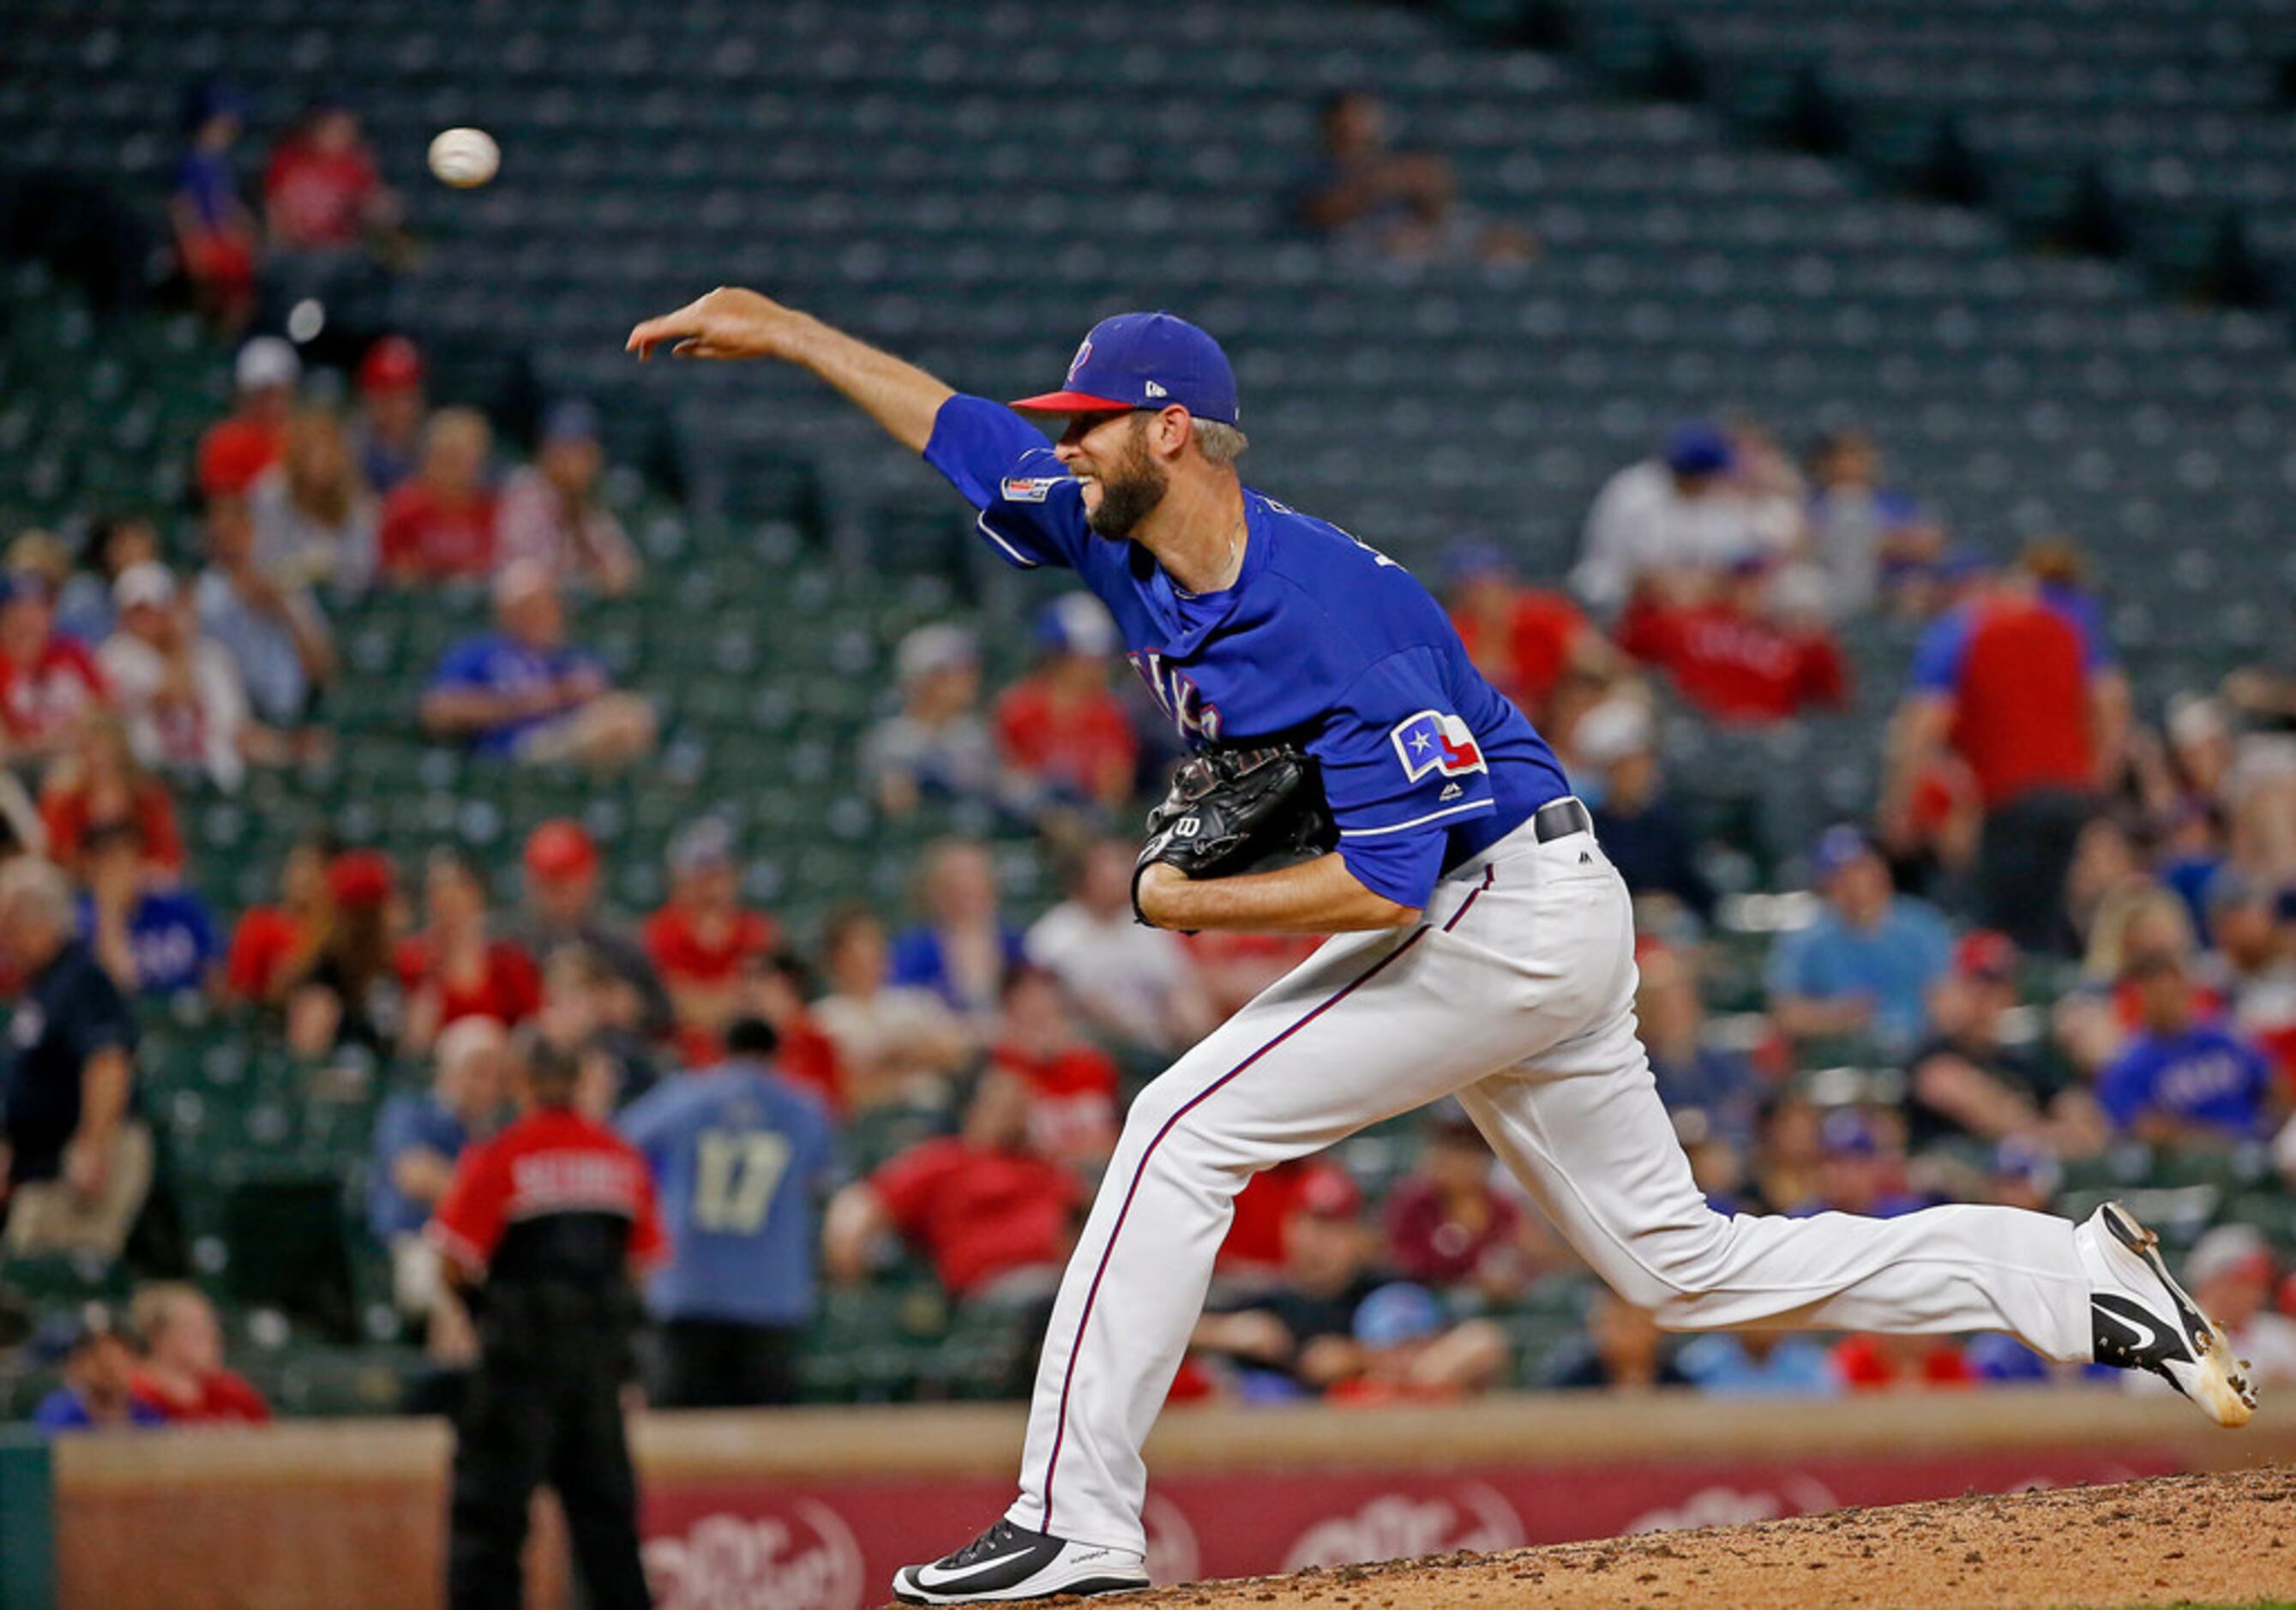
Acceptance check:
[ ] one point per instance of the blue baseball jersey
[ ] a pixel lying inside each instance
(1321, 641)
(740, 1158)
(2206, 1075)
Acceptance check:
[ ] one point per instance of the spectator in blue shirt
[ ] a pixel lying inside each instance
(271, 627)
(1865, 966)
(2184, 1077)
(740, 1159)
(520, 693)
(97, 1393)
(418, 1135)
(1759, 1364)
(155, 937)
(1690, 1070)
(963, 948)
(214, 233)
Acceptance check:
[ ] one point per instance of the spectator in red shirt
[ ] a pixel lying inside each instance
(1448, 1226)
(440, 525)
(2020, 682)
(452, 969)
(322, 191)
(1521, 638)
(775, 988)
(387, 431)
(342, 996)
(49, 682)
(1252, 1254)
(995, 1220)
(1236, 966)
(1901, 1363)
(253, 437)
(1060, 726)
(100, 784)
(1744, 654)
(274, 946)
(182, 1376)
(1072, 1083)
(701, 941)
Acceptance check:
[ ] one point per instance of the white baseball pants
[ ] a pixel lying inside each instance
(1517, 993)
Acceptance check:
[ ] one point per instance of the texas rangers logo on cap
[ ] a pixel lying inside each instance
(1434, 741)
(1145, 360)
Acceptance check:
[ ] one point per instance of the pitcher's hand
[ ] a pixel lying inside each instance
(728, 323)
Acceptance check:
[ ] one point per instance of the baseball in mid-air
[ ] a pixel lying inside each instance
(465, 157)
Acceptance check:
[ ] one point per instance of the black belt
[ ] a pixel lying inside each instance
(1559, 819)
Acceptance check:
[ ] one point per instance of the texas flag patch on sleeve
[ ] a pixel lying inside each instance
(1026, 488)
(1435, 741)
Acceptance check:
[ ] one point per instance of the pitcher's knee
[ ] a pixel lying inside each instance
(1665, 1269)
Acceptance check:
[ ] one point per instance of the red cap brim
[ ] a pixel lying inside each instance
(1069, 402)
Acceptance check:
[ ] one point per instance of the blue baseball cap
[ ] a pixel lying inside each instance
(1699, 448)
(1145, 360)
(1396, 1313)
(1836, 848)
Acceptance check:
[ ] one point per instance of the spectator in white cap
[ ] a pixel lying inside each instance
(178, 692)
(552, 512)
(936, 746)
(522, 693)
(251, 440)
(1061, 727)
(1652, 847)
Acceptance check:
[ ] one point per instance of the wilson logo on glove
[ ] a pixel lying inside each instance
(1232, 811)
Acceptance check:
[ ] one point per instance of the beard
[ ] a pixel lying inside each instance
(1130, 492)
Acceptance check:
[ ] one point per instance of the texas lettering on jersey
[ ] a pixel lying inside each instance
(1175, 692)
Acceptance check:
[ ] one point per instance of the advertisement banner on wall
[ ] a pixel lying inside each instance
(722, 1545)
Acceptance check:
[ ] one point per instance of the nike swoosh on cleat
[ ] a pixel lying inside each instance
(966, 1574)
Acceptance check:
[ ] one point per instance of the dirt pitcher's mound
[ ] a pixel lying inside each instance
(2218, 1540)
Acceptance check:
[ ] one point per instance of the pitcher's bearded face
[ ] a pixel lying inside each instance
(1122, 482)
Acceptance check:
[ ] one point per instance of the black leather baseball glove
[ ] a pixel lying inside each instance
(1233, 810)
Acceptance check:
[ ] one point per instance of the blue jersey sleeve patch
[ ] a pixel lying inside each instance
(1400, 770)
(1031, 508)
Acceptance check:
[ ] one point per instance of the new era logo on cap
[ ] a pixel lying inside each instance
(1145, 360)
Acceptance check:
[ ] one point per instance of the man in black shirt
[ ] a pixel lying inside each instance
(74, 1163)
(1335, 1325)
(1976, 1079)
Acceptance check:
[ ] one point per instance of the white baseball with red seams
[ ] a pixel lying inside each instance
(1517, 994)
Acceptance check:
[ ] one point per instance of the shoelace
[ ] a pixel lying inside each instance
(987, 1542)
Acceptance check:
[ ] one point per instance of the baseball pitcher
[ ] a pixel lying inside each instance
(1357, 778)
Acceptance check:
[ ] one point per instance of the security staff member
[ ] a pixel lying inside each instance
(544, 1230)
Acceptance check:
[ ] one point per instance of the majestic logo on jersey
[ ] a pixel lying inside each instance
(1027, 489)
(1434, 740)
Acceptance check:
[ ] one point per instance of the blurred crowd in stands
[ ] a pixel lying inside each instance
(2064, 935)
